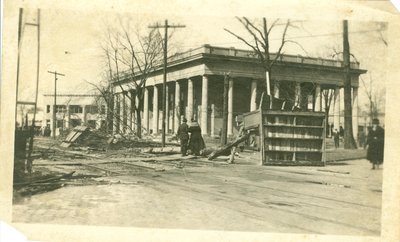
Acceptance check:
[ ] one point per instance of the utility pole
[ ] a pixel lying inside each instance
(165, 26)
(224, 130)
(349, 142)
(55, 101)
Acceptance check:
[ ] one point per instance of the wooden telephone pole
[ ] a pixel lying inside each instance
(349, 142)
(166, 26)
(55, 101)
(34, 103)
(224, 131)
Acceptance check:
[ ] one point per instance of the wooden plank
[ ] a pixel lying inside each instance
(262, 141)
(296, 163)
(75, 137)
(70, 136)
(293, 126)
(296, 138)
(297, 113)
(251, 120)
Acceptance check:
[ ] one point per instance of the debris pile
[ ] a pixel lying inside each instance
(83, 138)
(77, 133)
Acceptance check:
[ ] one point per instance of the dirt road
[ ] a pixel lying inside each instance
(336, 199)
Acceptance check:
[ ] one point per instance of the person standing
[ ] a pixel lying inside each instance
(336, 138)
(196, 142)
(183, 136)
(375, 143)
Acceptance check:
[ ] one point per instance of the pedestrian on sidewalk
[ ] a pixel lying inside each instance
(183, 134)
(336, 136)
(375, 143)
(196, 142)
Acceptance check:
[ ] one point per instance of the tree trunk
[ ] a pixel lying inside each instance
(349, 142)
(138, 123)
(110, 111)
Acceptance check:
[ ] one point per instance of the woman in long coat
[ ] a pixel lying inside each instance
(375, 142)
(196, 142)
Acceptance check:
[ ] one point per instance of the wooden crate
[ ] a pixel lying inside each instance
(288, 137)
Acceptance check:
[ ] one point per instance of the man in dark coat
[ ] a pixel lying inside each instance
(375, 142)
(183, 136)
(336, 138)
(196, 142)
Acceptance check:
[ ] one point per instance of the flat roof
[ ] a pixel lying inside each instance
(223, 51)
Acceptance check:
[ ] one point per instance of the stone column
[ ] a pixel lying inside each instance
(190, 100)
(133, 107)
(212, 119)
(204, 105)
(177, 113)
(166, 115)
(121, 113)
(129, 111)
(84, 114)
(141, 112)
(355, 113)
(145, 109)
(124, 113)
(336, 109)
(155, 110)
(318, 100)
(230, 108)
(297, 94)
(67, 125)
(253, 95)
(276, 89)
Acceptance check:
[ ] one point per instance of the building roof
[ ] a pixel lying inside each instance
(242, 63)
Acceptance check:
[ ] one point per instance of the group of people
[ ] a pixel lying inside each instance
(193, 142)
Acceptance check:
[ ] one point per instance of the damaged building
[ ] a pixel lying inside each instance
(195, 88)
(74, 110)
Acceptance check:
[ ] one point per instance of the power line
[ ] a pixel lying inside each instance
(294, 37)
(55, 100)
(166, 26)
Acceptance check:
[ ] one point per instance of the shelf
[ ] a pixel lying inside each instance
(255, 126)
(293, 163)
(296, 151)
(293, 113)
(293, 126)
(319, 138)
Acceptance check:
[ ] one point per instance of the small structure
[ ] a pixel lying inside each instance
(288, 137)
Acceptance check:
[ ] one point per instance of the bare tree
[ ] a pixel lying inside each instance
(375, 98)
(327, 95)
(130, 57)
(260, 43)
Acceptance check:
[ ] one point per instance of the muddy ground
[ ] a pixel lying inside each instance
(132, 188)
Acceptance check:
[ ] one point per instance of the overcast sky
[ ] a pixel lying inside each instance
(70, 44)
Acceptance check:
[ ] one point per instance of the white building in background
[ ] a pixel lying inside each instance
(73, 110)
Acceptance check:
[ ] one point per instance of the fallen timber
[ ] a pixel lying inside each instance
(56, 178)
(226, 150)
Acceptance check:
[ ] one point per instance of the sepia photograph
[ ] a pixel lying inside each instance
(199, 122)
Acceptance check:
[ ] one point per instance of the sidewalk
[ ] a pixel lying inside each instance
(341, 154)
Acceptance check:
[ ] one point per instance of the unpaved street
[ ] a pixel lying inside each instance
(344, 198)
